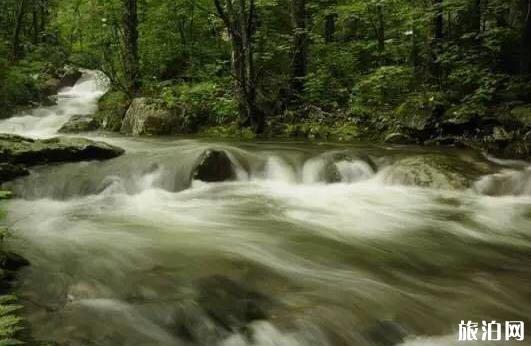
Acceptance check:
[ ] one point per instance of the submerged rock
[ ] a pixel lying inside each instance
(505, 183)
(214, 166)
(21, 152)
(79, 123)
(435, 171)
(145, 117)
(345, 165)
(386, 333)
(231, 304)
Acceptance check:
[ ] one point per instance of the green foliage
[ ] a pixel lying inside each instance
(385, 88)
(206, 103)
(10, 323)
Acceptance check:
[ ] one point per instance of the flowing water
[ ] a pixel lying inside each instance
(131, 252)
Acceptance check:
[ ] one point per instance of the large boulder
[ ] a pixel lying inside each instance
(111, 110)
(24, 151)
(214, 166)
(430, 170)
(79, 123)
(146, 117)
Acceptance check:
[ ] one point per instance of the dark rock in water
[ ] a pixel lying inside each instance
(10, 172)
(69, 77)
(386, 333)
(214, 166)
(398, 138)
(17, 150)
(331, 172)
(232, 305)
(12, 261)
(79, 123)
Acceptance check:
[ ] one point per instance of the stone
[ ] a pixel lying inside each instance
(231, 304)
(9, 171)
(12, 261)
(111, 110)
(398, 138)
(214, 166)
(145, 117)
(522, 115)
(331, 171)
(79, 123)
(28, 152)
(430, 170)
(69, 77)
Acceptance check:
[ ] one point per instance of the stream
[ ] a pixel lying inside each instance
(131, 252)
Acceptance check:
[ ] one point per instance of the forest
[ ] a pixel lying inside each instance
(265, 172)
(404, 71)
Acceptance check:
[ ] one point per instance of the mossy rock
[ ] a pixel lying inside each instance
(430, 170)
(111, 110)
(522, 115)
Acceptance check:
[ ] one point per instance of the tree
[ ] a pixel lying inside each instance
(240, 20)
(300, 49)
(130, 29)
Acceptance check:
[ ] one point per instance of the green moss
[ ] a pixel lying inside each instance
(522, 114)
(418, 109)
(111, 110)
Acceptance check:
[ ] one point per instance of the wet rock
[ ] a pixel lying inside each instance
(24, 151)
(386, 333)
(522, 114)
(434, 171)
(145, 117)
(334, 162)
(10, 172)
(69, 76)
(231, 304)
(50, 86)
(12, 261)
(214, 166)
(111, 110)
(398, 138)
(79, 123)
(505, 183)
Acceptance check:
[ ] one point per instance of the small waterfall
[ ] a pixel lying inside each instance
(44, 122)
(507, 182)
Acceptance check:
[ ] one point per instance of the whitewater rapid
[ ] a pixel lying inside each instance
(120, 249)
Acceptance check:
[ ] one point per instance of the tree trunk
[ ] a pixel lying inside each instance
(525, 54)
(381, 28)
(130, 27)
(300, 49)
(15, 44)
(240, 22)
(437, 39)
(330, 27)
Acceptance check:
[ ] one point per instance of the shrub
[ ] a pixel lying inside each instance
(206, 103)
(385, 88)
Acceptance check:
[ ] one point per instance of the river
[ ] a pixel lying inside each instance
(130, 252)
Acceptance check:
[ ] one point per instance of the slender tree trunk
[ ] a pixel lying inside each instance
(525, 54)
(15, 44)
(240, 20)
(35, 22)
(437, 39)
(130, 23)
(300, 49)
(380, 28)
